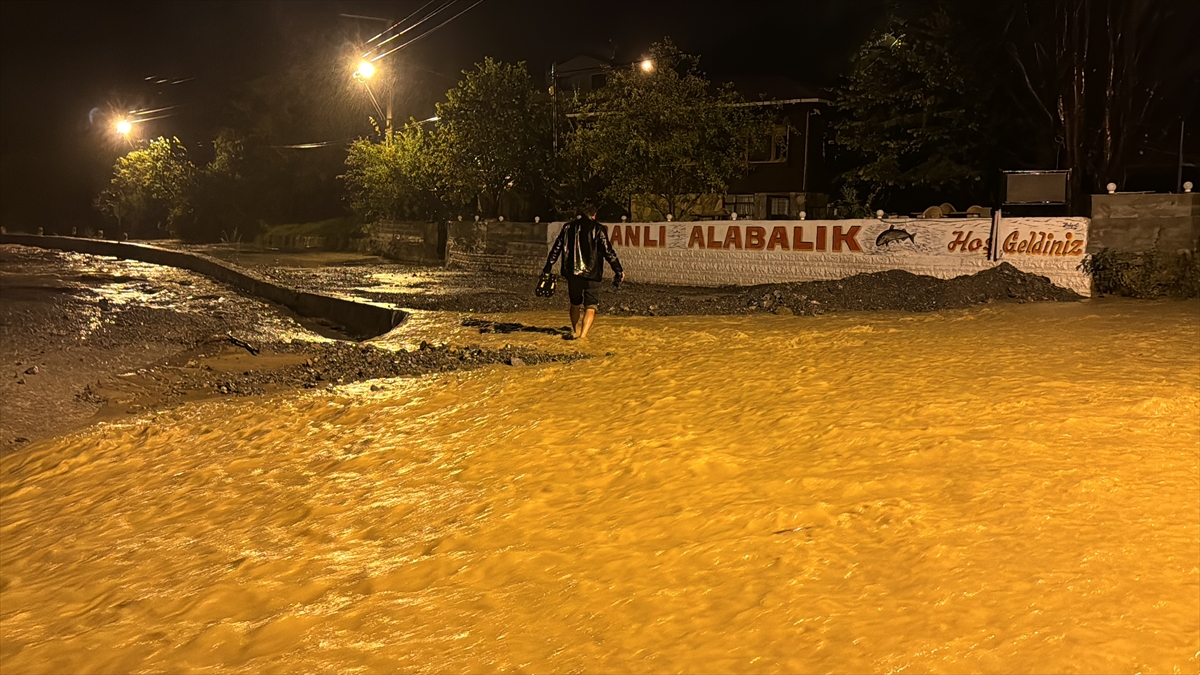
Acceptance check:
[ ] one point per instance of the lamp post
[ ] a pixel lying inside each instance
(804, 176)
(554, 104)
(364, 72)
(1179, 166)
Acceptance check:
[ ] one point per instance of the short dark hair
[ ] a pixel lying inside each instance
(589, 209)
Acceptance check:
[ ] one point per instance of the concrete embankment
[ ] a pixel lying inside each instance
(355, 319)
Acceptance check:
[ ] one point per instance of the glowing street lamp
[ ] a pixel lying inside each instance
(124, 127)
(647, 65)
(366, 70)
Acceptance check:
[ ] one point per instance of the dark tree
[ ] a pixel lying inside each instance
(1106, 80)
(494, 132)
(911, 115)
(665, 134)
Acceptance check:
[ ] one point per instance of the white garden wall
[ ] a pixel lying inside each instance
(745, 253)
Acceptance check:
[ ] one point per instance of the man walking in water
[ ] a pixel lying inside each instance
(584, 246)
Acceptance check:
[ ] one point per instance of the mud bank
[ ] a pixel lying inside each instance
(353, 320)
(435, 288)
(84, 338)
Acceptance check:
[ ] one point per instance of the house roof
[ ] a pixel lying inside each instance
(773, 88)
(581, 62)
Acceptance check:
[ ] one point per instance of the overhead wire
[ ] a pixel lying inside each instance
(443, 7)
(401, 21)
(428, 32)
(151, 112)
(309, 146)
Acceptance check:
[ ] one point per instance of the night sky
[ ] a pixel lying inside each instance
(69, 68)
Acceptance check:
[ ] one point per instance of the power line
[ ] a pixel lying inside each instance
(428, 32)
(307, 146)
(401, 21)
(425, 18)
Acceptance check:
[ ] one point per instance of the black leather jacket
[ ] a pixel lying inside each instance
(586, 247)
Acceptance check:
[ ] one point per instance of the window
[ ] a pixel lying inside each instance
(779, 207)
(743, 205)
(598, 81)
(771, 148)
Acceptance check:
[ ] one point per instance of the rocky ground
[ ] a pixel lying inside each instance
(85, 338)
(434, 288)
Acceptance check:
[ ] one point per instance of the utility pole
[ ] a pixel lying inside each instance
(804, 177)
(1179, 168)
(554, 103)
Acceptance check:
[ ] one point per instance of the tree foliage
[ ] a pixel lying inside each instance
(157, 190)
(665, 135)
(149, 187)
(493, 134)
(222, 201)
(396, 178)
(910, 112)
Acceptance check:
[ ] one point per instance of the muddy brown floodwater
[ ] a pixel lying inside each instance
(1011, 488)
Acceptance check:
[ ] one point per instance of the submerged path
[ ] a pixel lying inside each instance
(1006, 489)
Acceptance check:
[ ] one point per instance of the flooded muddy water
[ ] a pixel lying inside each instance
(1006, 489)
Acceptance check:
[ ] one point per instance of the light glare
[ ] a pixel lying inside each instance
(365, 70)
(124, 127)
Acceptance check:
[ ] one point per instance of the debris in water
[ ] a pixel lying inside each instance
(485, 326)
(243, 344)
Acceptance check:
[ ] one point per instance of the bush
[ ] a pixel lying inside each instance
(1151, 274)
(850, 204)
(339, 233)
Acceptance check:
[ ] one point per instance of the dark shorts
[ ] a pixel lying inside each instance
(583, 291)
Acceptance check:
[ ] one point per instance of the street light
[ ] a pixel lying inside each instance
(647, 66)
(124, 127)
(364, 72)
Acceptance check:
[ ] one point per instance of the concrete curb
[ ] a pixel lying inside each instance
(358, 320)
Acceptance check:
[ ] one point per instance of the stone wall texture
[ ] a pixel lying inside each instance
(497, 246)
(409, 241)
(1145, 222)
